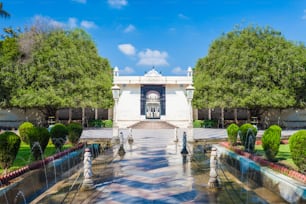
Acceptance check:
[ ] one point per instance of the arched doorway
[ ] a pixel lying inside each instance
(152, 105)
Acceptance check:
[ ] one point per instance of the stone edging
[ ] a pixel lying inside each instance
(263, 162)
(5, 179)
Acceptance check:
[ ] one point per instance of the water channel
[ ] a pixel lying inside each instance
(153, 170)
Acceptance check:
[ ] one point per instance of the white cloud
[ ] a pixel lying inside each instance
(152, 58)
(117, 3)
(182, 16)
(88, 24)
(80, 1)
(129, 28)
(127, 49)
(304, 16)
(72, 22)
(127, 70)
(178, 71)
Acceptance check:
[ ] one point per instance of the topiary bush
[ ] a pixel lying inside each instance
(59, 134)
(297, 145)
(243, 130)
(271, 141)
(9, 146)
(38, 138)
(198, 123)
(74, 132)
(108, 123)
(232, 132)
(23, 131)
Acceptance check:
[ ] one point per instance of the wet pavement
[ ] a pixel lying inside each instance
(154, 171)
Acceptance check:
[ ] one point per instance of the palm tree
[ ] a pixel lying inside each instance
(3, 13)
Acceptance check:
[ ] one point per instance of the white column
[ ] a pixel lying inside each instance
(115, 122)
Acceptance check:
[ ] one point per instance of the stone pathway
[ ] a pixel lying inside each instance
(154, 171)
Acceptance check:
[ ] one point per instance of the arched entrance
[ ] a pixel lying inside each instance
(152, 105)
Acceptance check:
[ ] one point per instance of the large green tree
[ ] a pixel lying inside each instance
(61, 69)
(9, 55)
(254, 68)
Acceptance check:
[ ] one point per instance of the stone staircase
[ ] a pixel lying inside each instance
(152, 124)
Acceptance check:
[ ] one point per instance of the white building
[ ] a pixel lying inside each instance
(152, 97)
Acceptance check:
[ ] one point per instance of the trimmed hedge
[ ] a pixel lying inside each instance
(74, 132)
(23, 129)
(38, 138)
(297, 145)
(232, 132)
(9, 146)
(59, 134)
(243, 130)
(271, 141)
(198, 123)
(108, 123)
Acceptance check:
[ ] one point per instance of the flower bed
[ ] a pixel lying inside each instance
(263, 162)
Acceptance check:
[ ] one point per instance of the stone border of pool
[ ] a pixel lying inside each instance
(289, 189)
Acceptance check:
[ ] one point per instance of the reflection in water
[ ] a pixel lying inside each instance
(154, 171)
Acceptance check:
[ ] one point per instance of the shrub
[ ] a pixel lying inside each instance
(209, 123)
(108, 123)
(232, 132)
(9, 146)
(58, 134)
(23, 131)
(271, 141)
(198, 123)
(297, 144)
(243, 130)
(74, 132)
(96, 123)
(38, 138)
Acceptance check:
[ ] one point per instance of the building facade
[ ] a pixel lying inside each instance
(152, 97)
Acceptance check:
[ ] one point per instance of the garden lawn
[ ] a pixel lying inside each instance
(283, 156)
(24, 156)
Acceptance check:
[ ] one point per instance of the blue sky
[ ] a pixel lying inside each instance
(170, 35)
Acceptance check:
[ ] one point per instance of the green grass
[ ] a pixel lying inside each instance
(283, 156)
(24, 156)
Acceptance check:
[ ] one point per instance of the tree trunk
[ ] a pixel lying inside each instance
(69, 115)
(56, 116)
(209, 113)
(83, 117)
(222, 117)
(235, 115)
(249, 115)
(96, 113)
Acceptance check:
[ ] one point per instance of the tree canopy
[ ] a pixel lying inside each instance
(55, 69)
(253, 68)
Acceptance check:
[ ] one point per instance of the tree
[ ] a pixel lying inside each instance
(9, 55)
(254, 68)
(3, 13)
(62, 69)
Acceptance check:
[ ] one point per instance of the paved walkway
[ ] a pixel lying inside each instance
(199, 133)
(154, 171)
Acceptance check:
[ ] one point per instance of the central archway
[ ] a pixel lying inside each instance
(152, 105)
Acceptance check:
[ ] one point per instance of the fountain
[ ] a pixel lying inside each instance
(87, 182)
(155, 172)
(213, 175)
(130, 136)
(121, 150)
(184, 149)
